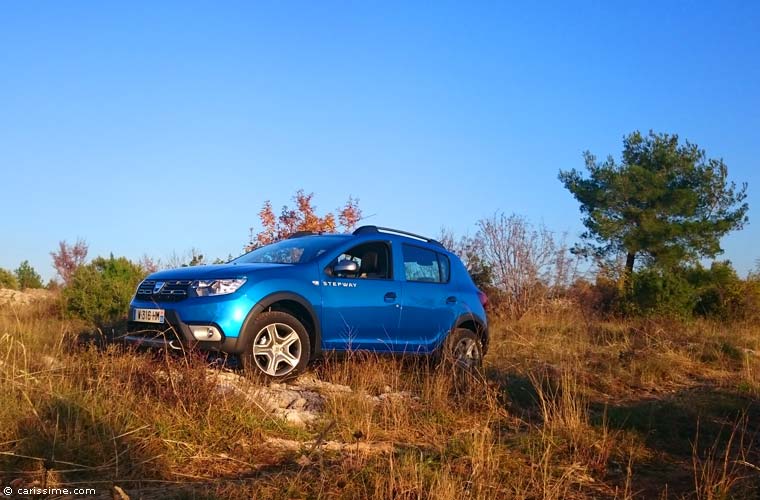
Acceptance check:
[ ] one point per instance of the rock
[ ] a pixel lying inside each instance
(296, 417)
(17, 297)
(303, 461)
(309, 381)
(298, 403)
(358, 447)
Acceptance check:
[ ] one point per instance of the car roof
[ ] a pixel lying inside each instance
(370, 232)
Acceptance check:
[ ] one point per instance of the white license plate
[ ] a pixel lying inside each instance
(149, 315)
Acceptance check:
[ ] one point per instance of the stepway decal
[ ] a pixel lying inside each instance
(339, 283)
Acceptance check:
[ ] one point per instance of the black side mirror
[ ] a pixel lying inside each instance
(345, 267)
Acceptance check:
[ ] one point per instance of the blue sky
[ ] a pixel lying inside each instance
(148, 128)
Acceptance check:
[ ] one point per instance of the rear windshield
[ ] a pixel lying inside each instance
(290, 251)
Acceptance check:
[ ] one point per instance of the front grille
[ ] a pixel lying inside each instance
(170, 291)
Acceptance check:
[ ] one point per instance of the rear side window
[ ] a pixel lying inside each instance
(445, 266)
(425, 265)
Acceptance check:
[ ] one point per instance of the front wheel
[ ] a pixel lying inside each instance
(279, 347)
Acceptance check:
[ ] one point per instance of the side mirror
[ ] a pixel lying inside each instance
(345, 266)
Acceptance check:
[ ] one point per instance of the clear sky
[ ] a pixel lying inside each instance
(156, 127)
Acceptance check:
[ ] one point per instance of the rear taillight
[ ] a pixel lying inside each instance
(483, 298)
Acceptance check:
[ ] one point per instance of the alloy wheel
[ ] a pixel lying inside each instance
(467, 353)
(277, 349)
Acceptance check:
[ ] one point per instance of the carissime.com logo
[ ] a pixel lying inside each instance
(36, 490)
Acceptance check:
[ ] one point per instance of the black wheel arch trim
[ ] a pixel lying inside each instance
(480, 325)
(264, 304)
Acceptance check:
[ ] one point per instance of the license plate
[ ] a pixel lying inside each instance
(149, 315)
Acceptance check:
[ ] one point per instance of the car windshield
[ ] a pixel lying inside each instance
(290, 251)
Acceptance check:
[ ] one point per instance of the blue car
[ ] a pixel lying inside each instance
(284, 304)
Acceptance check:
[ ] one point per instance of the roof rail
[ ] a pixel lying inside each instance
(380, 229)
(298, 234)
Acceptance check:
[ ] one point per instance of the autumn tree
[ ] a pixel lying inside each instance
(148, 264)
(350, 214)
(68, 258)
(664, 204)
(302, 217)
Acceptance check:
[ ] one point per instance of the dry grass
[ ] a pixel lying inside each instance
(569, 408)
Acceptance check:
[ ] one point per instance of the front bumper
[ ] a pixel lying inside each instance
(176, 335)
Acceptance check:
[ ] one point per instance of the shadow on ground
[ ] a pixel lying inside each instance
(697, 422)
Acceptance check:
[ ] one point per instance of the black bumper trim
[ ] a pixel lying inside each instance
(176, 335)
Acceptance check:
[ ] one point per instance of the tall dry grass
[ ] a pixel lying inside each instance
(568, 408)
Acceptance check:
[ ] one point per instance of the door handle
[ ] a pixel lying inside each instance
(390, 296)
(451, 300)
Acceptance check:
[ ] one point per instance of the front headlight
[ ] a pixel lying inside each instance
(207, 288)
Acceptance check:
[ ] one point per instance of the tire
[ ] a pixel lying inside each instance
(279, 347)
(463, 351)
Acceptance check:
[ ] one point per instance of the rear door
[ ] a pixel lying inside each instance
(361, 310)
(427, 306)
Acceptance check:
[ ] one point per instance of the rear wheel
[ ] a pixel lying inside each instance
(279, 347)
(463, 351)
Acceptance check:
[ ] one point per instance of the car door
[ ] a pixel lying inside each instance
(427, 306)
(361, 310)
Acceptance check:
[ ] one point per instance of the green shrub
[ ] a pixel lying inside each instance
(8, 279)
(27, 277)
(722, 295)
(744, 300)
(716, 293)
(657, 292)
(99, 292)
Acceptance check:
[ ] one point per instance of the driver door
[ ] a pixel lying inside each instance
(361, 309)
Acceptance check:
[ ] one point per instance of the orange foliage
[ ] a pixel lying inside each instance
(302, 218)
(350, 214)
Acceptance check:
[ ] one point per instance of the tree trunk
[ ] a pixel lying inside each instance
(630, 260)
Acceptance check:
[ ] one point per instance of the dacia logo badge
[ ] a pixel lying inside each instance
(158, 286)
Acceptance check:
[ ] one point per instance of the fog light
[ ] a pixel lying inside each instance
(206, 333)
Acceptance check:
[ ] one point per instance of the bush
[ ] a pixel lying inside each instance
(747, 305)
(8, 279)
(27, 277)
(716, 293)
(717, 289)
(99, 292)
(601, 298)
(656, 292)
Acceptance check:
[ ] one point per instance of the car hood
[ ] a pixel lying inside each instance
(214, 271)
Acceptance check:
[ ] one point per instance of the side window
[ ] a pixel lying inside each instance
(443, 261)
(372, 258)
(421, 264)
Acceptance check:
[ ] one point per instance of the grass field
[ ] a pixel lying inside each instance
(570, 407)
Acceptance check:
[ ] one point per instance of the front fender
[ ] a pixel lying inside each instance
(247, 332)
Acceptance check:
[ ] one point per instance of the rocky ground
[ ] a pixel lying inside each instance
(299, 402)
(18, 297)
